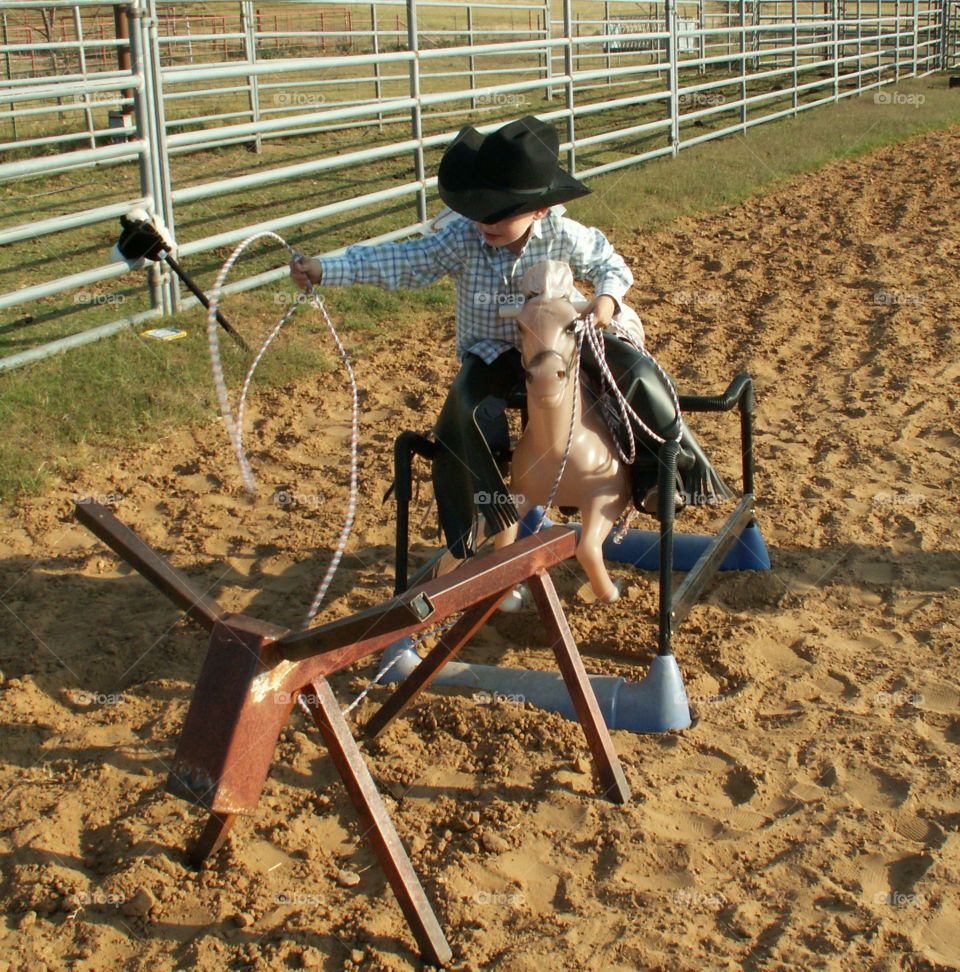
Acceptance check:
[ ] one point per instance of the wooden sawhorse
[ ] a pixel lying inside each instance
(254, 672)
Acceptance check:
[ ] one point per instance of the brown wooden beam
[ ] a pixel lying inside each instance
(377, 826)
(605, 759)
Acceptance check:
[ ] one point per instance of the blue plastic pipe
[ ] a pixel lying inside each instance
(641, 548)
(656, 704)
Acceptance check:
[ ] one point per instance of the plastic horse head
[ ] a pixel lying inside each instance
(593, 480)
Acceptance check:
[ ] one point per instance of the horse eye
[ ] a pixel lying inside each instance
(572, 327)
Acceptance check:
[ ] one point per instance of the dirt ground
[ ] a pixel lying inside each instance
(808, 820)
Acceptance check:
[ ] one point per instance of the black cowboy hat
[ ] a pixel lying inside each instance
(511, 171)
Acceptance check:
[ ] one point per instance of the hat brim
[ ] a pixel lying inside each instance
(464, 192)
(492, 205)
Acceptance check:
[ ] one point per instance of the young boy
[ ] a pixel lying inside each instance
(507, 189)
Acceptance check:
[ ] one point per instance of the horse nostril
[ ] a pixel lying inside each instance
(561, 374)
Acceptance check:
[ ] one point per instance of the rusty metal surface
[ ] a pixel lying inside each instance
(211, 839)
(234, 721)
(148, 563)
(338, 644)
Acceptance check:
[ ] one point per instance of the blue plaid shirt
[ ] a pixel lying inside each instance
(486, 277)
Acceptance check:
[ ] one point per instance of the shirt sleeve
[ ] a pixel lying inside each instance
(592, 257)
(412, 263)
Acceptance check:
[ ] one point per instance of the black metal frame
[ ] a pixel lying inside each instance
(673, 608)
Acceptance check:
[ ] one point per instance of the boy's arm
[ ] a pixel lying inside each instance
(592, 257)
(414, 263)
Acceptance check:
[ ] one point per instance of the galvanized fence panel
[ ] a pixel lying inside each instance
(223, 122)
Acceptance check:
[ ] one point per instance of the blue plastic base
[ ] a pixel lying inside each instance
(641, 548)
(658, 703)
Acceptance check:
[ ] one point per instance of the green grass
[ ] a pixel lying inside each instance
(76, 409)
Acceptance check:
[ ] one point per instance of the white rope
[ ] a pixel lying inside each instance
(592, 333)
(234, 427)
(627, 413)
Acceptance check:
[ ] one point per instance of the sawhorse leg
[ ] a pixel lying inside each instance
(612, 780)
(211, 838)
(614, 783)
(450, 643)
(377, 825)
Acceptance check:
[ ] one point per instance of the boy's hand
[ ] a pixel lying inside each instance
(304, 271)
(603, 308)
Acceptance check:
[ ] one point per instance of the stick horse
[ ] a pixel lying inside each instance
(566, 426)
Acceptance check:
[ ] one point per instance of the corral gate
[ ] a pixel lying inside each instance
(184, 105)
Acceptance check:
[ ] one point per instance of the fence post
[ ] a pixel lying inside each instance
(548, 50)
(149, 178)
(916, 37)
(377, 85)
(673, 76)
(82, 55)
(702, 39)
(944, 34)
(795, 40)
(151, 127)
(6, 44)
(416, 120)
(896, 48)
(568, 63)
(743, 65)
(606, 20)
(835, 46)
(249, 24)
(471, 60)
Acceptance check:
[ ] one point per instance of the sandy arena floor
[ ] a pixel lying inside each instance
(809, 820)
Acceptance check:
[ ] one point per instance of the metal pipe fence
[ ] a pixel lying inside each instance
(209, 119)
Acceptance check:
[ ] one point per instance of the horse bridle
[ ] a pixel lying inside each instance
(575, 327)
